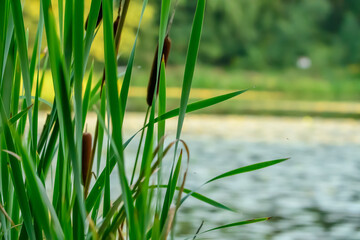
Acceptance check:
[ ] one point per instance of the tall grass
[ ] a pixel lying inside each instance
(78, 205)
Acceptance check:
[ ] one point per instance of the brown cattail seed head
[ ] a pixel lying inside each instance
(153, 74)
(86, 155)
(98, 21)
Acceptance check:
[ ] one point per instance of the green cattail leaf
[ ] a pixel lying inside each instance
(19, 115)
(191, 58)
(67, 32)
(16, 88)
(126, 82)
(200, 197)
(22, 49)
(169, 195)
(78, 49)
(200, 105)
(248, 168)
(100, 132)
(7, 35)
(46, 61)
(4, 18)
(35, 122)
(37, 45)
(95, 11)
(237, 224)
(86, 100)
(48, 153)
(114, 107)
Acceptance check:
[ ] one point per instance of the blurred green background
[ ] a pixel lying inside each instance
(298, 57)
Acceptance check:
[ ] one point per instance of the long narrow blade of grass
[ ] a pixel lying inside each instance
(22, 48)
(161, 111)
(47, 155)
(91, 24)
(100, 133)
(114, 106)
(78, 48)
(106, 204)
(46, 61)
(200, 197)
(249, 168)
(4, 18)
(145, 170)
(7, 83)
(19, 115)
(37, 45)
(67, 34)
(86, 100)
(200, 105)
(191, 57)
(139, 146)
(245, 169)
(8, 35)
(198, 230)
(169, 195)
(40, 100)
(126, 83)
(16, 88)
(35, 121)
(207, 200)
(61, 18)
(237, 224)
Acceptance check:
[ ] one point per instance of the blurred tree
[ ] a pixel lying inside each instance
(253, 34)
(261, 33)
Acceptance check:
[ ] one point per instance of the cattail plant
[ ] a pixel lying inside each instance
(73, 204)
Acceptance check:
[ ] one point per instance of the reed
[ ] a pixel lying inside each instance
(78, 205)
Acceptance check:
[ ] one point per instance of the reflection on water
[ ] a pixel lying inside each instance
(314, 195)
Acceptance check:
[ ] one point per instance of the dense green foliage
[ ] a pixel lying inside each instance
(259, 33)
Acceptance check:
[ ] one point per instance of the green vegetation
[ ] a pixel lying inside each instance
(290, 84)
(50, 186)
(258, 47)
(273, 34)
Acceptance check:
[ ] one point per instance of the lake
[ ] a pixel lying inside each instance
(314, 195)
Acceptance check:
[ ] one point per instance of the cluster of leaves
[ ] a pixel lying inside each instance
(77, 209)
